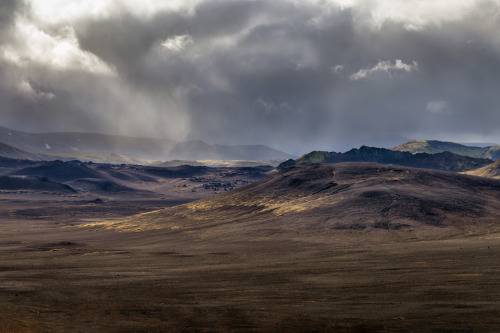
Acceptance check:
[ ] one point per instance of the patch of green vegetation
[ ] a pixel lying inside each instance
(314, 157)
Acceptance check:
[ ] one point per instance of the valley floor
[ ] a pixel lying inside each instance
(57, 276)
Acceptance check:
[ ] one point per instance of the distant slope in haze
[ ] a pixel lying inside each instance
(92, 157)
(434, 146)
(445, 161)
(8, 151)
(15, 153)
(138, 148)
(312, 198)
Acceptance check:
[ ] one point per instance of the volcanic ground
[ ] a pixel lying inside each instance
(350, 247)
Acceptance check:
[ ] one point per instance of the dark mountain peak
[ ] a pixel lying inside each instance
(366, 148)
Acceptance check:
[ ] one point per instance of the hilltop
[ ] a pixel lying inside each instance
(434, 146)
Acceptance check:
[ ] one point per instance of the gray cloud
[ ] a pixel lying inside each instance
(298, 77)
(8, 9)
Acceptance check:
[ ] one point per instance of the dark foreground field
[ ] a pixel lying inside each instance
(57, 279)
(64, 273)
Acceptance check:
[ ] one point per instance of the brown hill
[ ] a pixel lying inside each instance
(490, 171)
(310, 198)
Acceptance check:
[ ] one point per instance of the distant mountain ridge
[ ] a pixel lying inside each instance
(8, 151)
(434, 146)
(139, 148)
(444, 161)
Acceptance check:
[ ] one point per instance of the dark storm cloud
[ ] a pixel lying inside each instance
(296, 76)
(8, 9)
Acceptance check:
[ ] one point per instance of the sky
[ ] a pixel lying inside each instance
(294, 75)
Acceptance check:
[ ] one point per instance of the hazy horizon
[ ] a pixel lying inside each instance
(295, 76)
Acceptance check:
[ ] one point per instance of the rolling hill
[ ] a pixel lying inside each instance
(445, 161)
(126, 182)
(59, 171)
(137, 148)
(33, 183)
(312, 198)
(490, 171)
(434, 146)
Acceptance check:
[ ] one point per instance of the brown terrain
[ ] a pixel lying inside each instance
(350, 247)
(490, 171)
